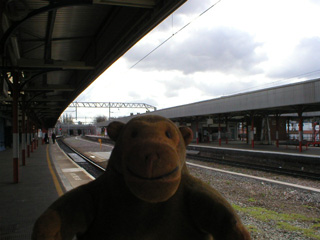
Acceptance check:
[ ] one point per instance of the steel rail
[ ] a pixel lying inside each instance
(88, 160)
(282, 171)
(317, 190)
(271, 181)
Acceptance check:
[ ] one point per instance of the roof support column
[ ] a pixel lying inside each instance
(277, 129)
(314, 136)
(252, 130)
(288, 128)
(23, 135)
(31, 136)
(242, 133)
(247, 130)
(219, 131)
(42, 135)
(300, 130)
(15, 127)
(35, 136)
(28, 136)
(269, 130)
(227, 130)
(197, 129)
(37, 132)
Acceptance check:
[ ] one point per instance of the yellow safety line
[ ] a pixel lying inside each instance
(54, 176)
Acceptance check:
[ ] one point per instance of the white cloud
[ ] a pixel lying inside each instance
(222, 49)
(305, 59)
(233, 47)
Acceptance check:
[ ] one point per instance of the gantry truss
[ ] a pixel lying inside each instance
(112, 105)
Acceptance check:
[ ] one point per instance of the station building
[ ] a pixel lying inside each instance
(75, 129)
(266, 116)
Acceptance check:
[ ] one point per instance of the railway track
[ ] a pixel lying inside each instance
(270, 169)
(260, 179)
(270, 165)
(87, 164)
(95, 170)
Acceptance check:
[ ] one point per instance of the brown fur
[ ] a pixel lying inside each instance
(145, 193)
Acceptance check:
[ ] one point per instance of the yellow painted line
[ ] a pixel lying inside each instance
(54, 176)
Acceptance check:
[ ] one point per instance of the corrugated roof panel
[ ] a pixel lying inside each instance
(75, 27)
(32, 34)
(58, 77)
(35, 26)
(71, 50)
(36, 4)
(32, 50)
(95, 34)
(79, 21)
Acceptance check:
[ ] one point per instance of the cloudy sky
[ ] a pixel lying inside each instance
(235, 46)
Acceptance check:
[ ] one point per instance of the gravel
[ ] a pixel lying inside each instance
(270, 211)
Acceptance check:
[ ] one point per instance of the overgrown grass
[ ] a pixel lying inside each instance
(252, 228)
(283, 220)
(307, 232)
(228, 182)
(308, 207)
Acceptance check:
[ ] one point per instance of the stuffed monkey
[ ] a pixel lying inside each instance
(146, 193)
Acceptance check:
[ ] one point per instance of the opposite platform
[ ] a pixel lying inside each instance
(48, 173)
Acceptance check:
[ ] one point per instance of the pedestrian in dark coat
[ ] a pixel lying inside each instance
(46, 138)
(53, 136)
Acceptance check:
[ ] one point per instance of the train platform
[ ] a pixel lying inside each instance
(268, 148)
(284, 158)
(48, 173)
(243, 145)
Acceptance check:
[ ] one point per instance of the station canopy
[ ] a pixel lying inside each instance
(56, 49)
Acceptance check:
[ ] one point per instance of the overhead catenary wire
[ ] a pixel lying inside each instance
(194, 19)
(175, 33)
(274, 83)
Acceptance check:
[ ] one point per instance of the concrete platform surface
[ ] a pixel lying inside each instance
(243, 145)
(282, 149)
(48, 173)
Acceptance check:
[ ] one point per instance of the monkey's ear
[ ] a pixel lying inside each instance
(114, 130)
(186, 134)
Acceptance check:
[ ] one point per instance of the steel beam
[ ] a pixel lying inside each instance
(197, 130)
(111, 105)
(227, 130)
(128, 3)
(23, 135)
(277, 129)
(252, 130)
(28, 137)
(54, 64)
(300, 130)
(15, 127)
(51, 87)
(219, 130)
(51, 7)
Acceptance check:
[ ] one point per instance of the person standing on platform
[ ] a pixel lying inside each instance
(53, 136)
(46, 138)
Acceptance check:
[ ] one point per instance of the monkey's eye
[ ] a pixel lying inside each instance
(168, 134)
(134, 134)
